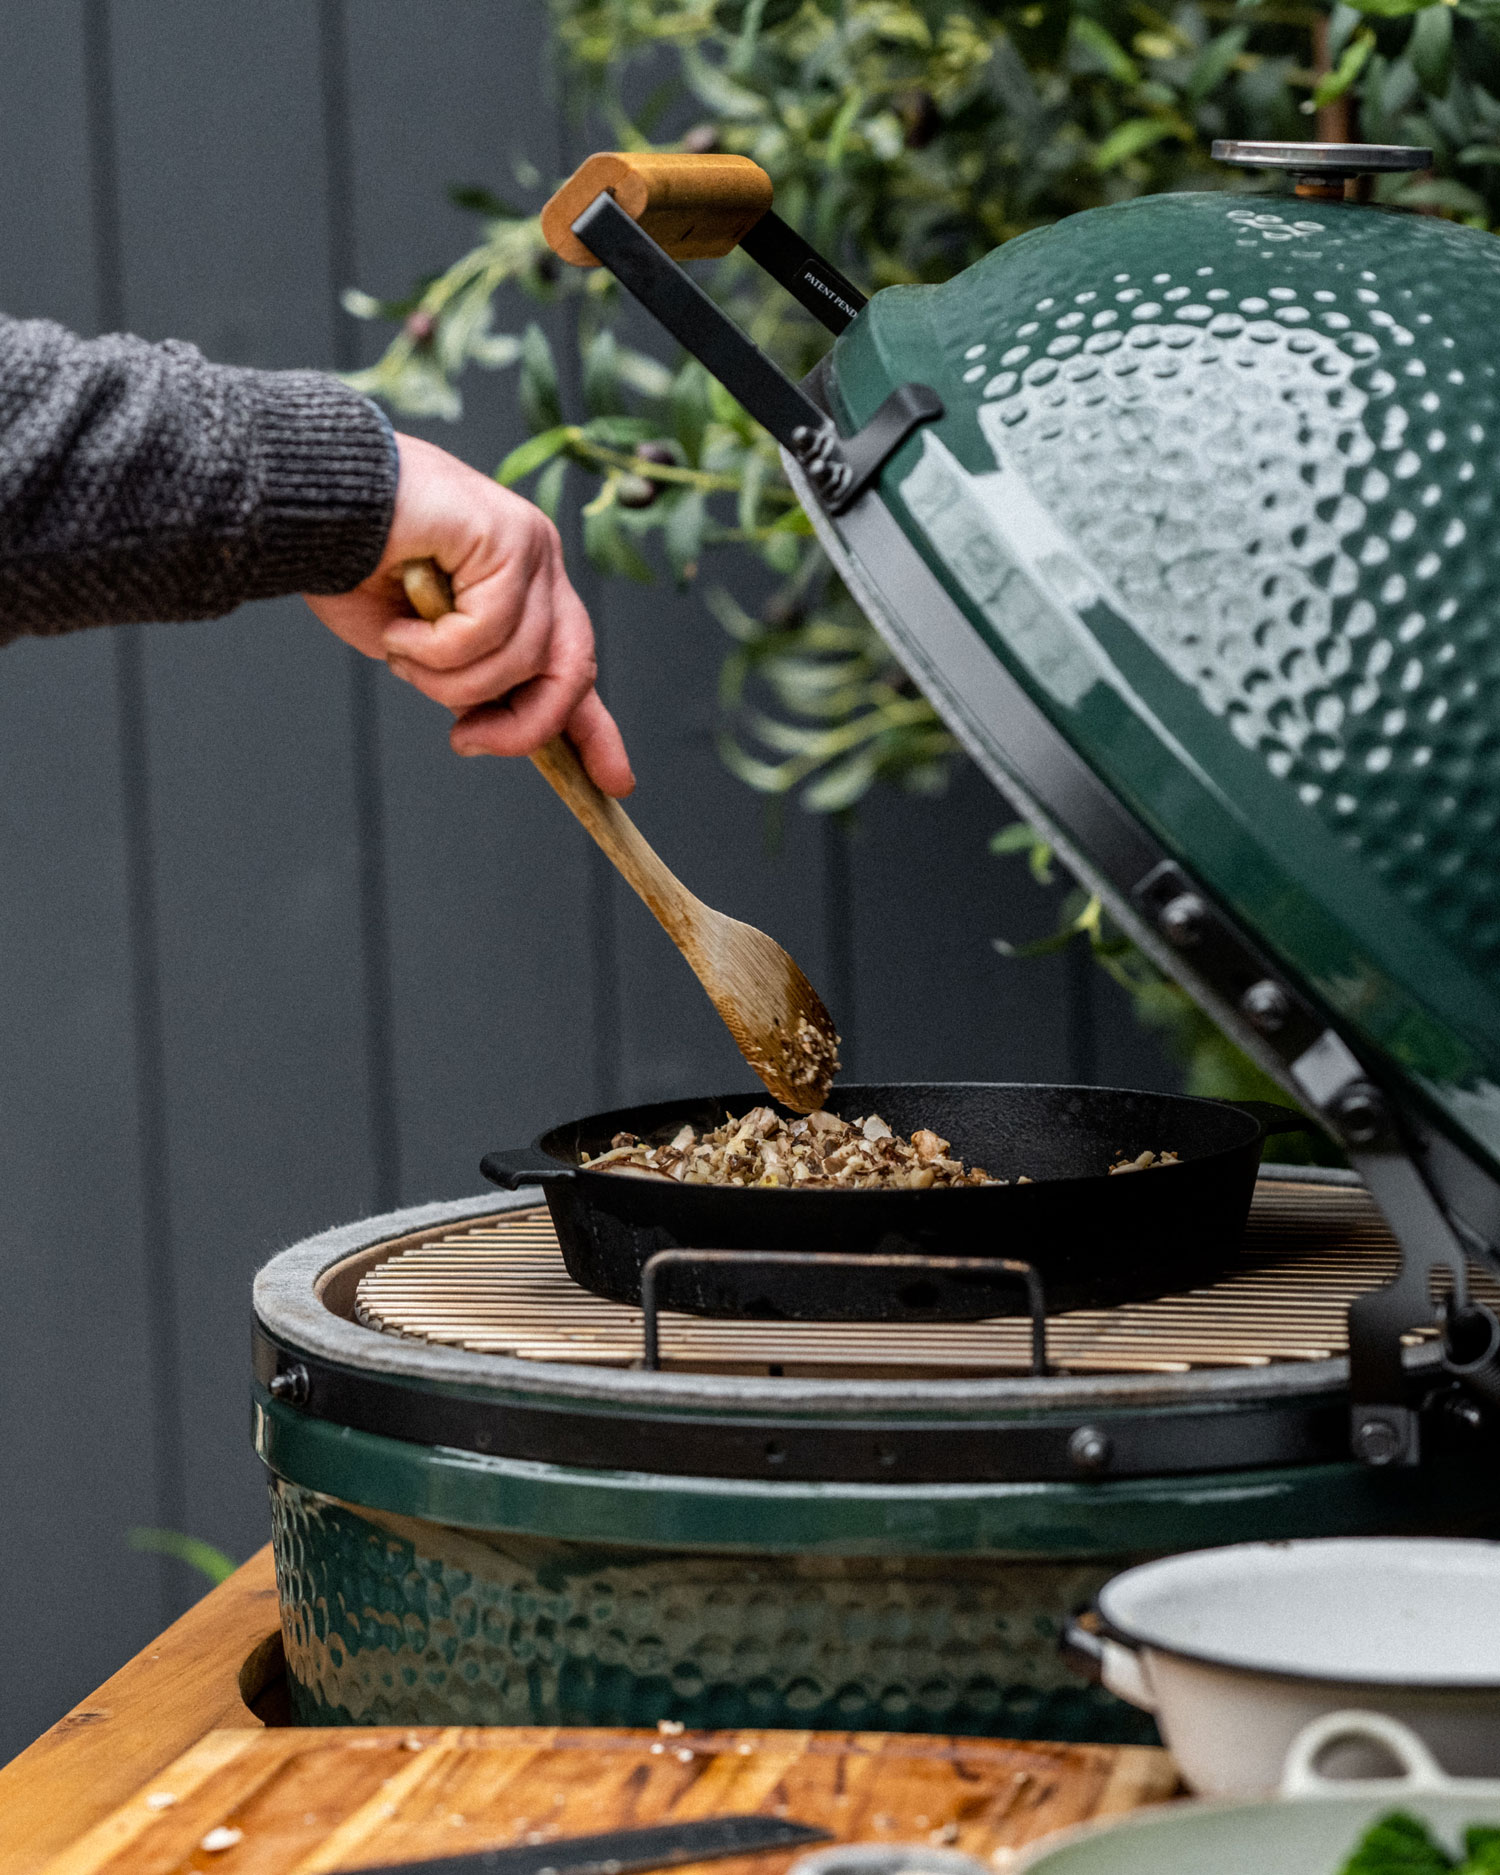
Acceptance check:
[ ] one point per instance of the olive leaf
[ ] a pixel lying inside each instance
(1430, 49)
(609, 546)
(603, 393)
(548, 491)
(1351, 63)
(481, 201)
(541, 401)
(529, 456)
(1130, 138)
(1393, 9)
(1215, 62)
(683, 531)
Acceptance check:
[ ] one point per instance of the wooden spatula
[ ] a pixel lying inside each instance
(775, 1015)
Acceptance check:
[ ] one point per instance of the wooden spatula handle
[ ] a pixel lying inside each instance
(431, 594)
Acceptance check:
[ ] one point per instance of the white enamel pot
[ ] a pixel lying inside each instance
(1312, 1833)
(1236, 1650)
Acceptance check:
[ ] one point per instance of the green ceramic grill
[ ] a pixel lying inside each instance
(487, 1508)
(1181, 513)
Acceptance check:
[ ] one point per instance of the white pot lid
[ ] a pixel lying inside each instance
(1377, 1611)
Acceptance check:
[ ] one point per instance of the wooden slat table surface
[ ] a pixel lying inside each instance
(304, 1802)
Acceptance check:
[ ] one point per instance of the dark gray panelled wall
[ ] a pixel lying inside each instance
(270, 956)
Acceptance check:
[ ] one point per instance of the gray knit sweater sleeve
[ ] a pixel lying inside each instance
(139, 481)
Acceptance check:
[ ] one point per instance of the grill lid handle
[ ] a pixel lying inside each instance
(697, 207)
(512, 1168)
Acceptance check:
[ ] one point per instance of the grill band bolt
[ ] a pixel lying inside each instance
(1090, 1449)
(290, 1386)
(1359, 1113)
(1266, 1006)
(819, 453)
(1183, 920)
(1377, 1442)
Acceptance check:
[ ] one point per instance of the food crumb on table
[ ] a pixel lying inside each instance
(224, 1837)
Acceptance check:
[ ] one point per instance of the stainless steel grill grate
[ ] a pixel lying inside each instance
(499, 1287)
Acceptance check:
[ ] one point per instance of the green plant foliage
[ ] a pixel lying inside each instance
(905, 138)
(1211, 1064)
(191, 1550)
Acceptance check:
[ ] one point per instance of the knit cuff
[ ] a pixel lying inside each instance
(325, 468)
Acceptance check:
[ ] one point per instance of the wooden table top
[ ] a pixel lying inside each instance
(167, 1756)
(186, 1683)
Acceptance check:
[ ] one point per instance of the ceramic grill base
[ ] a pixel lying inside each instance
(399, 1621)
(422, 1584)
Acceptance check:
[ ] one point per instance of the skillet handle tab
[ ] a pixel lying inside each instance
(1272, 1118)
(524, 1165)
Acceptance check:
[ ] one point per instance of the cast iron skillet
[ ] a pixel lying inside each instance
(1095, 1240)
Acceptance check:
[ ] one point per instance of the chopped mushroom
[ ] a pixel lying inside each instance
(818, 1149)
(1142, 1162)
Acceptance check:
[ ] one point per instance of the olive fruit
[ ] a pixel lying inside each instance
(635, 491)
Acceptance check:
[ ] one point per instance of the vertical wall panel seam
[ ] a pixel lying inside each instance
(364, 705)
(1082, 1024)
(606, 1010)
(163, 1348)
(839, 949)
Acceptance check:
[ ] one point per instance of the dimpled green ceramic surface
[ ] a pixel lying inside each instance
(1217, 483)
(393, 1621)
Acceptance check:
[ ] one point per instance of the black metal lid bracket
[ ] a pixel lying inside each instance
(839, 468)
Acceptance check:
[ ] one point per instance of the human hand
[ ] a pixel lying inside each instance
(514, 659)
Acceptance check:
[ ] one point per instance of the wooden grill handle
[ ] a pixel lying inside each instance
(431, 594)
(696, 207)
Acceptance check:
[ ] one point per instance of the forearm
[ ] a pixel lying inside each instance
(140, 482)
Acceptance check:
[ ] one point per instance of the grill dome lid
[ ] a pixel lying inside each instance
(1215, 482)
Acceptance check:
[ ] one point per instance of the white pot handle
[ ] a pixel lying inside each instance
(1421, 1774)
(1124, 1673)
(1108, 1662)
